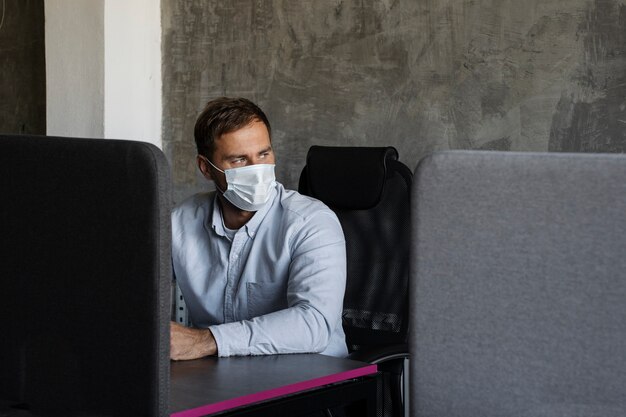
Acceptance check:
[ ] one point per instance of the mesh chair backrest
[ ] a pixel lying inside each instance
(374, 214)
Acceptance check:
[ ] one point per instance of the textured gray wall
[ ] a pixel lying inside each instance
(22, 67)
(424, 75)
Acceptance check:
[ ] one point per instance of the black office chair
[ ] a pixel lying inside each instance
(369, 190)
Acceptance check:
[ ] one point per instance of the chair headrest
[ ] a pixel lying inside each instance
(348, 177)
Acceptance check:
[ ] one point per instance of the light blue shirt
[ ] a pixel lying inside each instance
(277, 287)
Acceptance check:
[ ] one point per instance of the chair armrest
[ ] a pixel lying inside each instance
(381, 354)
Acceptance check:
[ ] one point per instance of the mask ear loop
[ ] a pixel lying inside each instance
(211, 163)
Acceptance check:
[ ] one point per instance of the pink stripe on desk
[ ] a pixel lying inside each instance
(277, 392)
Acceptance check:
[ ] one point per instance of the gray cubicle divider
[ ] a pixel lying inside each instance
(85, 277)
(519, 285)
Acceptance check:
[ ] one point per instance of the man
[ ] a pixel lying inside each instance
(262, 269)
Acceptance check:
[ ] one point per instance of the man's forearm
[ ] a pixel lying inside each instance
(292, 330)
(188, 343)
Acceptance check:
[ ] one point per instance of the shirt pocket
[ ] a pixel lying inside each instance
(265, 297)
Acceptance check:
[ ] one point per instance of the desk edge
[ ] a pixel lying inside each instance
(276, 392)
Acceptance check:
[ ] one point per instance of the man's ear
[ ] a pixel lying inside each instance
(204, 167)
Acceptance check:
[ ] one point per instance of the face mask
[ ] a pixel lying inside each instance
(249, 187)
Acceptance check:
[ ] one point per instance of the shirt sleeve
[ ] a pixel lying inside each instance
(315, 290)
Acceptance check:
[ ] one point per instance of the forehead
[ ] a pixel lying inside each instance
(247, 140)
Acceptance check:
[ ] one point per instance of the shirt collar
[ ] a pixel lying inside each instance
(252, 225)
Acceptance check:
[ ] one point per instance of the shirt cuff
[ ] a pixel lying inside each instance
(229, 338)
(222, 350)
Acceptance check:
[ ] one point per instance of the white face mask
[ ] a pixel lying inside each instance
(249, 187)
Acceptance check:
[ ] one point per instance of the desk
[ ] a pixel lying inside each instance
(271, 385)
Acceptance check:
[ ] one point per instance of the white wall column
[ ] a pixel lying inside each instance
(74, 68)
(103, 69)
(132, 70)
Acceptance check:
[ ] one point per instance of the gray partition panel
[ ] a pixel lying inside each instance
(519, 285)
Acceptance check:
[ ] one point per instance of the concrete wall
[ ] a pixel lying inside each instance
(22, 65)
(426, 75)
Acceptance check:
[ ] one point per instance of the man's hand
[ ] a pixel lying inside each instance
(187, 343)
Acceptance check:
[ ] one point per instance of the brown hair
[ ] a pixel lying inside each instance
(224, 115)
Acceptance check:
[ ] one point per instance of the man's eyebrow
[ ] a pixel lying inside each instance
(237, 156)
(233, 156)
